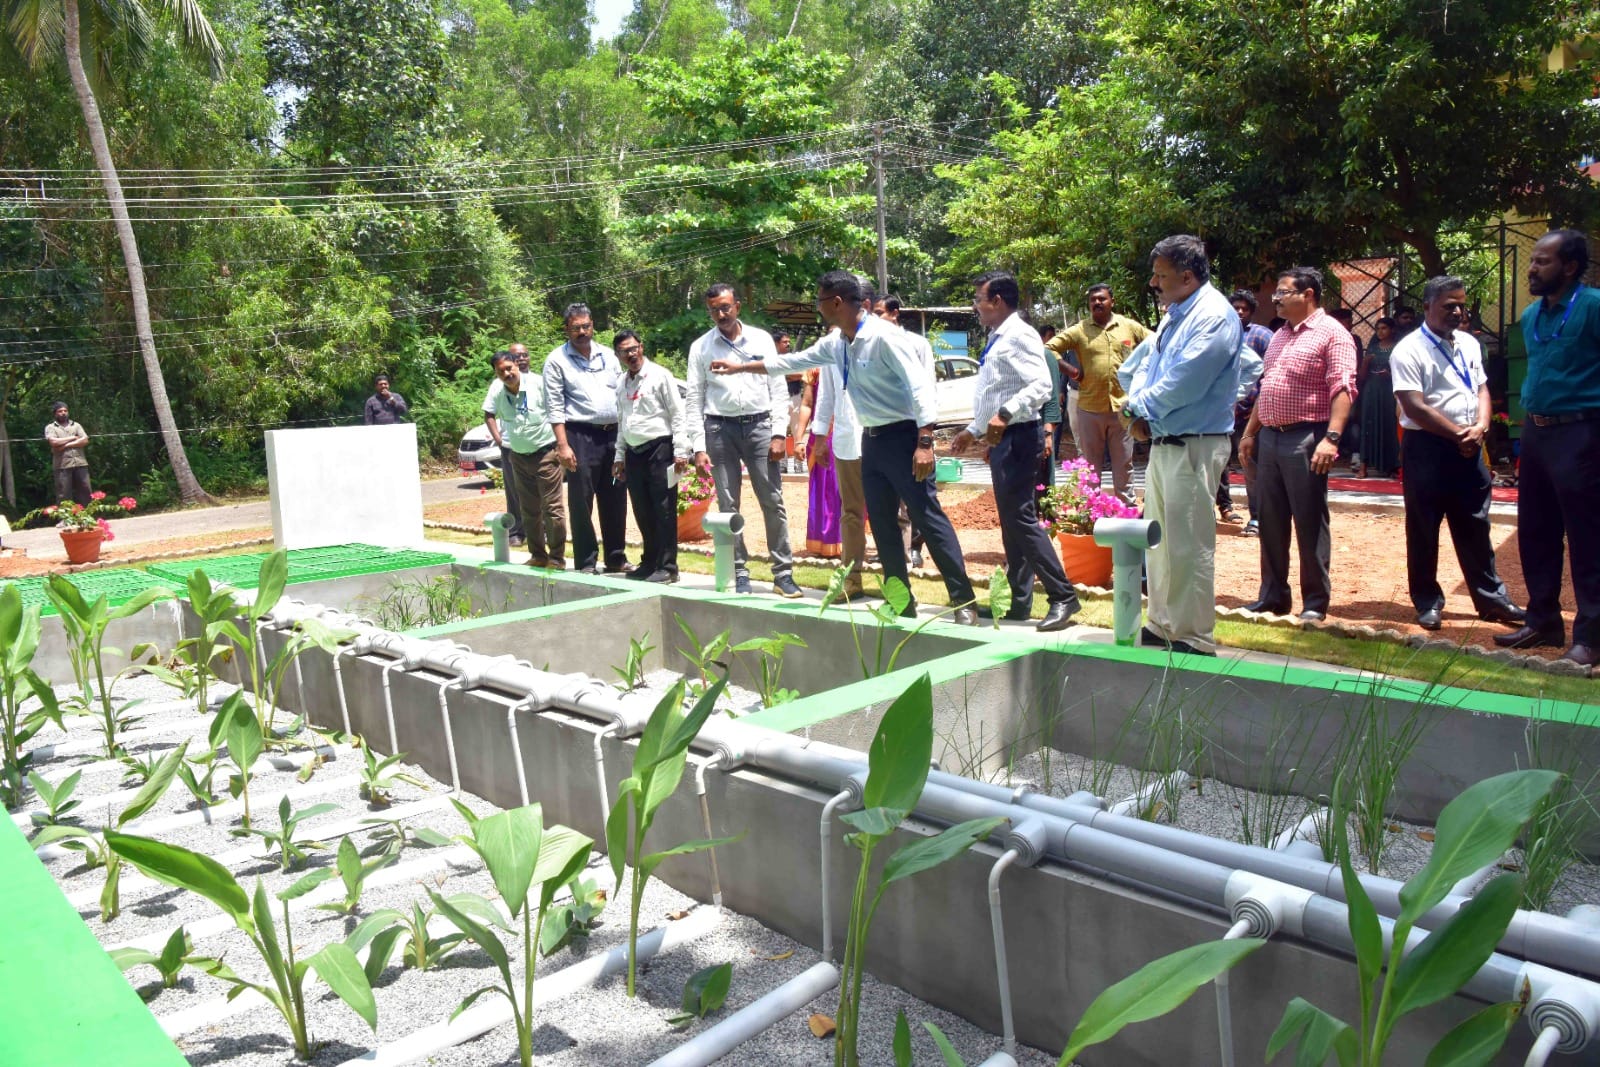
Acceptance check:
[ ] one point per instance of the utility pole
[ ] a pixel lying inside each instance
(883, 249)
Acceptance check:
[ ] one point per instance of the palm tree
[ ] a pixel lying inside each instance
(44, 29)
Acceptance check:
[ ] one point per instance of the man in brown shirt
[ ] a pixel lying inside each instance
(1101, 341)
(67, 440)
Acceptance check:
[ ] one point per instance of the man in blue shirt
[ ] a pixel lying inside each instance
(580, 396)
(897, 408)
(1558, 484)
(1182, 400)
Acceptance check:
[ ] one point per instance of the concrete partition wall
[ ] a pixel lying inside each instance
(160, 624)
(334, 485)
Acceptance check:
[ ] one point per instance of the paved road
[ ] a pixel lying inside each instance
(45, 543)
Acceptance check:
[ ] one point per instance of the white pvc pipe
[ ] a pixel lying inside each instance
(711, 1045)
(516, 747)
(388, 705)
(1470, 882)
(1138, 801)
(449, 734)
(600, 773)
(1008, 1030)
(999, 1059)
(827, 907)
(1300, 831)
(431, 1040)
(1546, 1043)
(705, 815)
(1224, 1006)
(338, 683)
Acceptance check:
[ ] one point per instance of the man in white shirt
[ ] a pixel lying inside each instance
(888, 308)
(1013, 384)
(652, 445)
(838, 431)
(741, 420)
(580, 395)
(894, 400)
(1437, 371)
(519, 353)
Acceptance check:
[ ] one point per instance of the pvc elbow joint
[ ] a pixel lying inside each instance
(1561, 1002)
(1269, 906)
(1029, 840)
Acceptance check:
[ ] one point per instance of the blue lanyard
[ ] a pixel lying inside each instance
(1462, 371)
(1571, 303)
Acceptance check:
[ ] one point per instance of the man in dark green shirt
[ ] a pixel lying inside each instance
(1558, 484)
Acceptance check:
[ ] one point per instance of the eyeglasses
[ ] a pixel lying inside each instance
(1279, 294)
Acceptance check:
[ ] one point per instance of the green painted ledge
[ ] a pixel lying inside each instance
(63, 1003)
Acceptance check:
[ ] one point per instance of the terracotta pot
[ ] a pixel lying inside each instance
(690, 525)
(83, 546)
(1086, 562)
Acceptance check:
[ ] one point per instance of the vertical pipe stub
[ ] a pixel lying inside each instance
(1127, 539)
(500, 523)
(724, 528)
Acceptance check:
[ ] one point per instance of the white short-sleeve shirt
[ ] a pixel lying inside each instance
(1446, 372)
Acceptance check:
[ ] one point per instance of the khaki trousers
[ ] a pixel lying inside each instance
(1179, 493)
(853, 518)
(544, 514)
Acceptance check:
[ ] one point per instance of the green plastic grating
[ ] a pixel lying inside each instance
(306, 564)
(119, 585)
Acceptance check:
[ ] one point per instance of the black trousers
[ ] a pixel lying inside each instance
(513, 506)
(655, 503)
(590, 485)
(1014, 468)
(1442, 484)
(1558, 496)
(1291, 496)
(886, 480)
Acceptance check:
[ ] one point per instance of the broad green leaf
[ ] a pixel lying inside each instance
(199, 587)
(270, 580)
(1474, 829)
(312, 812)
(235, 704)
(661, 780)
(707, 989)
(382, 951)
(951, 1057)
(667, 714)
(305, 885)
(684, 731)
(348, 863)
(128, 958)
(835, 590)
(155, 787)
(68, 601)
(902, 1042)
(898, 595)
(338, 966)
(648, 864)
(173, 951)
(1452, 954)
(509, 842)
(1478, 1040)
(476, 932)
(999, 595)
(266, 930)
(1365, 930)
(617, 827)
(184, 869)
(472, 997)
(245, 742)
(1153, 990)
(49, 835)
(141, 600)
(897, 762)
(878, 822)
(480, 909)
(929, 852)
(371, 926)
(429, 838)
(1319, 1034)
(563, 853)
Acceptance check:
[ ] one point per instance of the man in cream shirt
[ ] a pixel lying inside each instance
(652, 444)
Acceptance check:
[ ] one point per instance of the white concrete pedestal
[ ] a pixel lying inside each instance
(336, 485)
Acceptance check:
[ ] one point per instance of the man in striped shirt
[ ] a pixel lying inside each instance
(1308, 385)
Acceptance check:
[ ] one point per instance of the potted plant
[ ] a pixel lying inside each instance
(83, 529)
(1069, 511)
(695, 489)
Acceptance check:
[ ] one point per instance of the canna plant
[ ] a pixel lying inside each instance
(630, 675)
(704, 992)
(19, 641)
(95, 848)
(58, 799)
(237, 727)
(896, 602)
(523, 857)
(292, 853)
(176, 954)
(334, 963)
(1474, 830)
(574, 918)
(897, 771)
(704, 656)
(392, 835)
(658, 766)
(378, 779)
(85, 624)
(352, 872)
(214, 609)
(388, 929)
(771, 650)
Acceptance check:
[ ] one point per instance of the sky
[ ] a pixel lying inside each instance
(608, 16)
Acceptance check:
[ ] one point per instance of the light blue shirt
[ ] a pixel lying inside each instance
(581, 390)
(1188, 383)
(882, 370)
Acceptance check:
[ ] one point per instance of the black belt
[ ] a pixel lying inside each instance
(1184, 438)
(650, 444)
(593, 427)
(1294, 427)
(763, 416)
(889, 427)
(1560, 420)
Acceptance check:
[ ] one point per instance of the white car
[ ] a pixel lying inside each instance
(956, 382)
(478, 452)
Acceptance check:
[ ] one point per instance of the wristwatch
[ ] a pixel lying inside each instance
(1005, 415)
(1333, 436)
(925, 441)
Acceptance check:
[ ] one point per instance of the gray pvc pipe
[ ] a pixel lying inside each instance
(1128, 539)
(500, 523)
(725, 528)
(744, 1024)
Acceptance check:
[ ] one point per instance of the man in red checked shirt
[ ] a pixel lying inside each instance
(1307, 387)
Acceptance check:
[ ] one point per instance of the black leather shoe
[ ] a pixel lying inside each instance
(1529, 637)
(1150, 638)
(1059, 616)
(1583, 655)
(1016, 613)
(1430, 619)
(965, 617)
(1266, 609)
(661, 577)
(910, 612)
(1509, 614)
(1310, 615)
(1189, 650)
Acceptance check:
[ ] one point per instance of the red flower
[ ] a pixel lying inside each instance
(127, 503)
(97, 495)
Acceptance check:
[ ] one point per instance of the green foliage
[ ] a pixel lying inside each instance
(999, 595)
(896, 600)
(392, 835)
(352, 872)
(19, 641)
(387, 930)
(704, 992)
(658, 766)
(85, 624)
(334, 963)
(1474, 829)
(378, 778)
(291, 853)
(528, 864)
(574, 918)
(58, 800)
(173, 957)
(771, 650)
(702, 657)
(214, 610)
(631, 673)
(897, 770)
(407, 605)
(236, 726)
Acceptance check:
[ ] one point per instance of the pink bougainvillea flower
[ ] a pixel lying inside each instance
(97, 495)
(127, 503)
